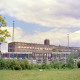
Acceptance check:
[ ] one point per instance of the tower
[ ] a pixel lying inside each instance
(13, 33)
(46, 42)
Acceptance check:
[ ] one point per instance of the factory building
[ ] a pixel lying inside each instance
(39, 52)
(30, 47)
(39, 57)
(39, 48)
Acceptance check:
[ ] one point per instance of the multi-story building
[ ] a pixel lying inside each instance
(30, 47)
(41, 51)
(39, 48)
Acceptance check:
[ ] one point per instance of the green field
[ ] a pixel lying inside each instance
(40, 75)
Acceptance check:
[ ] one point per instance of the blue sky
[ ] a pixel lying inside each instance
(27, 27)
(36, 20)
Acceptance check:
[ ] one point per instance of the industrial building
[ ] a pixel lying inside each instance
(38, 53)
(37, 58)
(39, 48)
(30, 47)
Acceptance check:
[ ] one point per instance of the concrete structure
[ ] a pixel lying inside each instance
(39, 58)
(39, 48)
(16, 55)
(30, 47)
(42, 52)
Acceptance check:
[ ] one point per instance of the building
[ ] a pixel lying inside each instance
(39, 57)
(39, 48)
(30, 47)
(17, 55)
(41, 52)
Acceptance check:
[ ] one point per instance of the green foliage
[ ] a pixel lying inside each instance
(27, 65)
(78, 64)
(70, 57)
(44, 66)
(2, 22)
(14, 64)
(2, 64)
(55, 50)
(32, 66)
(3, 32)
(24, 64)
(70, 64)
(57, 65)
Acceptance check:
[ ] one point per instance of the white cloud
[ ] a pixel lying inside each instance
(60, 14)
(50, 13)
(56, 37)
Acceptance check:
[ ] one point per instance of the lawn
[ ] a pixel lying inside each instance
(40, 75)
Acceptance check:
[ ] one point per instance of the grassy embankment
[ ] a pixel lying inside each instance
(73, 74)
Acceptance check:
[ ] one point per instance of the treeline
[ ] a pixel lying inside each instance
(24, 64)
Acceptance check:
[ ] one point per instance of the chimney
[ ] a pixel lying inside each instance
(46, 42)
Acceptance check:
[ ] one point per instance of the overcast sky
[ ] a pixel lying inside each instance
(36, 20)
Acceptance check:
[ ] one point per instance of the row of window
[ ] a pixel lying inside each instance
(34, 48)
(27, 44)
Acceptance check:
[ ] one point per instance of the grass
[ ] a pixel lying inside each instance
(40, 75)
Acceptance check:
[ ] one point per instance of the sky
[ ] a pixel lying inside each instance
(37, 20)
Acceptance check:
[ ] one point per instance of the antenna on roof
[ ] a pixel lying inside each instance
(13, 32)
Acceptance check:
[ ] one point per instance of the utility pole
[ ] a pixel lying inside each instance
(68, 39)
(13, 33)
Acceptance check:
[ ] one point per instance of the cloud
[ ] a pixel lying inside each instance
(56, 37)
(59, 14)
(49, 13)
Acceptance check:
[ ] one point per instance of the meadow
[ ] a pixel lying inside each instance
(50, 74)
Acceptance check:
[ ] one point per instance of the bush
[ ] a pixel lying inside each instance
(44, 66)
(32, 66)
(78, 64)
(70, 64)
(57, 65)
(24, 64)
(15, 65)
(2, 64)
(8, 62)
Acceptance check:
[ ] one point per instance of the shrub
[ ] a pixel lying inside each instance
(70, 64)
(78, 64)
(44, 66)
(22, 64)
(26, 63)
(8, 62)
(15, 65)
(2, 64)
(31, 66)
(57, 65)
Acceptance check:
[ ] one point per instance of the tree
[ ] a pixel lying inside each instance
(55, 50)
(3, 32)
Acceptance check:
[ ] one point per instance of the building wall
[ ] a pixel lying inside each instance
(29, 47)
(38, 57)
(39, 48)
(17, 55)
